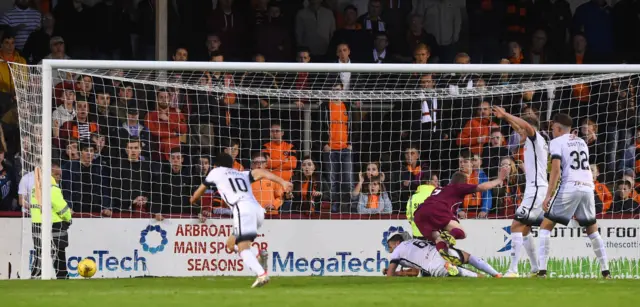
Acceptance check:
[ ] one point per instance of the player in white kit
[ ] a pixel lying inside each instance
(574, 197)
(529, 213)
(235, 188)
(423, 257)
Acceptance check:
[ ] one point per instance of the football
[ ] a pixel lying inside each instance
(87, 268)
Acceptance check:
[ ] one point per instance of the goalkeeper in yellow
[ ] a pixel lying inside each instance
(60, 219)
(424, 190)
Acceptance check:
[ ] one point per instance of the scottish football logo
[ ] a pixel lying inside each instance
(506, 239)
(386, 235)
(146, 245)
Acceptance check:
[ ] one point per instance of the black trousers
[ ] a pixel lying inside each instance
(59, 244)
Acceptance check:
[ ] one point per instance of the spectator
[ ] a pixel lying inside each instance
(371, 21)
(372, 170)
(176, 185)
(125, 100)
(416, 39)
(623, 203)
(57, 50)
(379, 54)
(205, 118)
(69, 15)
(104, 118)
(315, 25)
(167, 125)
(8, 54)
(133, 179)
(409, 177)
(579, 53)
(83, 184)
(395, 14)
(281, 156)
(494, 153)
(64, 112)
(509, 195)
(84, 88)
(71, 153)
(352, 34)
(444, 21)
(518, 19)
(376, 200)
(629, 176)
(469, 165)
(516, 56)
(8, 184)
(594, 19)
(79, 128)
(348, 80)
(38, 45)
(538, 52)
(603, 196)
(23, 20)
(596, 145)
(213, 45)
(272, 37)
(625, 17)
(226, 80)
(231, 26)
(475, 133)
(309, 189)
(232, 148)
(337, 148)
(132, 128)
(269, 194)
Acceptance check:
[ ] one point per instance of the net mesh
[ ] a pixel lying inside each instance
(353, 144)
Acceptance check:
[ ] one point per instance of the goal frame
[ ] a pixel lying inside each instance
(48, 66)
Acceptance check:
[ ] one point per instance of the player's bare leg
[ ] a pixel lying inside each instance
(456, 231)
(543, 250)
(598, 248)
(519, 234)
(249, 258)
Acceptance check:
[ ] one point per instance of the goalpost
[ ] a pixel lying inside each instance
(390, 110)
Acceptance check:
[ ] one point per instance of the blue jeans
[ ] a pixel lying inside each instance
(340, 173)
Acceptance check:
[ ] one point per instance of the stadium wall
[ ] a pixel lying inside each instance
(182, 247)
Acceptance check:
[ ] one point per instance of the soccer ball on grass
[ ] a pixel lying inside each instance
(87, 268)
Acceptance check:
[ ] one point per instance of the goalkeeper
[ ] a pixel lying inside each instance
(423, 191)
(60, 222)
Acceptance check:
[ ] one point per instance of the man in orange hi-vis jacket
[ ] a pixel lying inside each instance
(476, 132)
(269, 194)
(604, 198)
(281, 160)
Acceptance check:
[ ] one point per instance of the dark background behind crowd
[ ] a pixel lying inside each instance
(122, 147)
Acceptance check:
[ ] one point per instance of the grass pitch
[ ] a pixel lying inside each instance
(320, 291)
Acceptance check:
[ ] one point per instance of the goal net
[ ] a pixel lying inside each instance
(356, 141)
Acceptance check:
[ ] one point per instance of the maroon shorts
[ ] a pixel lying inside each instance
(432, 218)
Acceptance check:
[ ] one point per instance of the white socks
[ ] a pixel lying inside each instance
(543, 249)
(598, 248)
(251, 261)
(516, 251)
(481, 265)
(530, 246)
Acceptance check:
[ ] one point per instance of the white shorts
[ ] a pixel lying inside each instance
(247, 219)
(530, 210)
(579, 203)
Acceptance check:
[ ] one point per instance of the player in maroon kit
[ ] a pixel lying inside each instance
(438, 213)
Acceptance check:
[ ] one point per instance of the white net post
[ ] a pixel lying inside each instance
(45, 162)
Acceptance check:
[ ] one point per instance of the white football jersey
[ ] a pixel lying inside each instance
(415, 254)
(536, 157)
(234, 186)
(573, 153)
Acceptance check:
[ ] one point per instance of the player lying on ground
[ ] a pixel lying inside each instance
(248, 215)
(574, 197)
(437, 218)
(529, 212)
(423, 258)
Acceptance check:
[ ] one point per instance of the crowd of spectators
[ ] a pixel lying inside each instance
(127, 146)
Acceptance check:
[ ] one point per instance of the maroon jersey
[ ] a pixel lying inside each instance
(450, 196)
